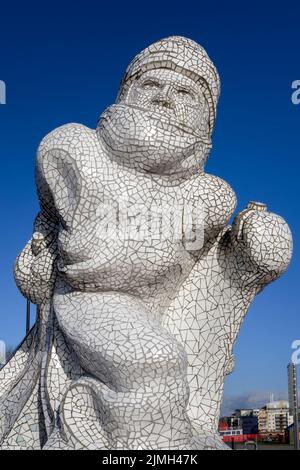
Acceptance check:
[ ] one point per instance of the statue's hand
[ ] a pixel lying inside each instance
(264, 238)
(35, 267)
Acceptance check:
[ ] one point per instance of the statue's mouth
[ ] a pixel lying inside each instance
(161, 116)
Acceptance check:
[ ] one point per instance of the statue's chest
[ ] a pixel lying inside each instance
(115, 198)
(125, 190)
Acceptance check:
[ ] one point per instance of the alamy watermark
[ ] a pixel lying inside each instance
(2, 92)
(296, 354)
(296, 94)
(156, 222)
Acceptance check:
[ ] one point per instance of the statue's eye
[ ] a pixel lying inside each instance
(149, 84)
(185, 94)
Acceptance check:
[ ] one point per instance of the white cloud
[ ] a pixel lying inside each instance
(253, 399)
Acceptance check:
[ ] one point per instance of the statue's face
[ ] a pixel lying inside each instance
(158, 125)
(176, 98)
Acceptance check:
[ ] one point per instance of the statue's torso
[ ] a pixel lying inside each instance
(97, 247)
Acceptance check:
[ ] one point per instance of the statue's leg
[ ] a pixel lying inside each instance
(118, 341)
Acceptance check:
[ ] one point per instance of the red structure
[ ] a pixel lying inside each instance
(239, 438)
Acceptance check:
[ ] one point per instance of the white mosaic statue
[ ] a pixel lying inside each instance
(141, 285)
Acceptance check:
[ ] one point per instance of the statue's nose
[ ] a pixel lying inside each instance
(164, 99)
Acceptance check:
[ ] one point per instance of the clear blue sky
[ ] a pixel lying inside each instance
(63, 62)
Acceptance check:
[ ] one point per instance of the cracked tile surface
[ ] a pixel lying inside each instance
(141, 284)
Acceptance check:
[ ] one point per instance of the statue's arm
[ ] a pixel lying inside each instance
(260, 245)
(58, 182)
(34, 269)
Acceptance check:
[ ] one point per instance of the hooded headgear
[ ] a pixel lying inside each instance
(181, 55)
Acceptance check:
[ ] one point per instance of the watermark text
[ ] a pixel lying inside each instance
(2, 92)
(296, 354)
(296, 93)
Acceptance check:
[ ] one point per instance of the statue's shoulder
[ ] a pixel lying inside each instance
(67, 137)
(70, 145)
(211, 181)
(214, 192)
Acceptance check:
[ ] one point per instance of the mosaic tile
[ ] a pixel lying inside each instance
(141, 284)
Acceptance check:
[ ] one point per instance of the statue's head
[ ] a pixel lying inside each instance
(164, 115)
